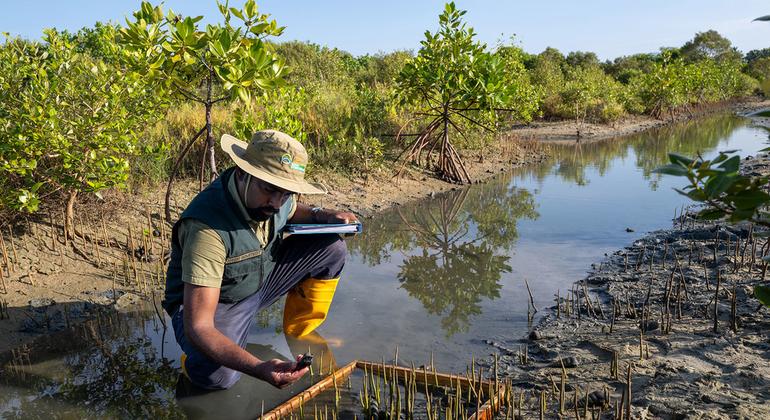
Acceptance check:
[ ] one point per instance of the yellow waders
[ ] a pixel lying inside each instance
(307, 305)
(184, 368)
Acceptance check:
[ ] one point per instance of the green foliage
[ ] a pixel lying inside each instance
(358, 153)
(524, 98)
(706, 70)
(548, 77)
(348, 103)
(661, 89)
(344, 108)
(762, 293)
(452, 72)
(225, 61)
(68, 122)
(727, 193)
(709, 45)
(672, 84)
(164, 141)
(454, 77)
(577, 88)
(278, 109)
(581, 59)
(623, 69)
(719, 184)
(381, 69)
(760, 70)
(590, 94)
(175, 49)
(553, 55)
(753, 55)
(338, 113)
(97, 42)
(313, 66)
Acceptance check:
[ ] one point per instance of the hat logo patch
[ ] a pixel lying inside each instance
(286, 159)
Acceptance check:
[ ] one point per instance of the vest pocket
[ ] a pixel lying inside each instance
(241, 278)
(242, 268)
(243, 257)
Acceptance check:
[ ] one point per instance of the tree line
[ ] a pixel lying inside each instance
(143, 101)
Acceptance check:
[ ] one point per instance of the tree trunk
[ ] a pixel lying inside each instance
(210, 144)
(445, 147)
(209, 129)
(69, 215)
(175, 170)
(202, 169)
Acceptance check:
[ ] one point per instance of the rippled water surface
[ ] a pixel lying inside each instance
(439, 276)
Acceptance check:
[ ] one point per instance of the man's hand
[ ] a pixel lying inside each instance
(280, 373)
(200, 305)
(331, 216)
(307, 214)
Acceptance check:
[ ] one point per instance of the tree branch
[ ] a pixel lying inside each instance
(474, 122)
(187, 94)
(219, 99)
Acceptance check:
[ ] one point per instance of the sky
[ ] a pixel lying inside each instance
(608, 28)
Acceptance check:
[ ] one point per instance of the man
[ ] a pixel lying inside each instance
(228, 261)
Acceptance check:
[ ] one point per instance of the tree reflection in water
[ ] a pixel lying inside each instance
(117, 373)
(650, 149)
(458, 238)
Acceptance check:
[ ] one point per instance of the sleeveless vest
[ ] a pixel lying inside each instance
(246, 264)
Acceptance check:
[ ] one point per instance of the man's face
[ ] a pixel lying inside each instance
(261, 199)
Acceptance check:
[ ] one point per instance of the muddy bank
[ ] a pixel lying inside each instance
(567, 132)
(381, 190)
(651, 306)
(675, 311)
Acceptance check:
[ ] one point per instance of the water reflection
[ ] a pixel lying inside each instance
(650, 149)
(117, 372)
(457, 247)
(114, 367)
(249, 397)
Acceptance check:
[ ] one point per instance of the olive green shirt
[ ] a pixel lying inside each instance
(203, 252)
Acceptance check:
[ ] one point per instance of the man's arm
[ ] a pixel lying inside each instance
(303, 214)
(200, 304)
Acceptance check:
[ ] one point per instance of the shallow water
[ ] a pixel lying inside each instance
(439, 276)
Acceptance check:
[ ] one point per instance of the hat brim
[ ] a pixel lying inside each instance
(236, 149)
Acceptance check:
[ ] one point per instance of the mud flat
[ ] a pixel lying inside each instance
(674, 312)
(567, 132)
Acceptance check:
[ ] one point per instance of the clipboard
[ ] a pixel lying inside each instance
(343, 229)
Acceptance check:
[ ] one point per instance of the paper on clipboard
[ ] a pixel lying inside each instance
(310, 229)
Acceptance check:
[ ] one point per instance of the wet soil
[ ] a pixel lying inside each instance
(673, 312)
(568, 132)
(651, 307)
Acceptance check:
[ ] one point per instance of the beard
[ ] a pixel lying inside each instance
(260, 214)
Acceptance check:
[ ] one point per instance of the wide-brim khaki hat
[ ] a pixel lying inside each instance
(273, 157)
